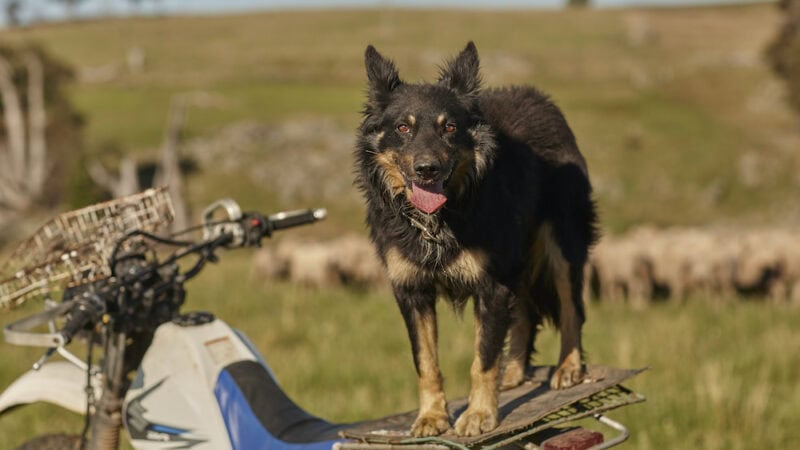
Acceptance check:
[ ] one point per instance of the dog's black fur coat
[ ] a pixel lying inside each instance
(511, 166)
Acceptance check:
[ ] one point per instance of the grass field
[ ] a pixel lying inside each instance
(675, 109)
(723, 376)
(679, 117)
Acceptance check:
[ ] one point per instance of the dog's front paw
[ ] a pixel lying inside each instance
(431, 423)
(567, 375)
(474, 422)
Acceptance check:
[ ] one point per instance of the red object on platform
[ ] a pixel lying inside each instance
(577, 439)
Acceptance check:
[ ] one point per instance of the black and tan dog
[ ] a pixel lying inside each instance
(482, 194)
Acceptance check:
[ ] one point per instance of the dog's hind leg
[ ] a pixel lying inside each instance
(568, 283)
(418, 307)
(491, 325)
(521, 336)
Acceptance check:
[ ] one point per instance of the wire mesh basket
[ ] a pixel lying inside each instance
(73, 248)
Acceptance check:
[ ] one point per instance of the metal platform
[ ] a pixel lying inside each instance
(524, 411)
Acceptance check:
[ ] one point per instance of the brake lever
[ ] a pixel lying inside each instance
(230, 223)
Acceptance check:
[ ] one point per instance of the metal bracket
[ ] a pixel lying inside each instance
(216, 226)
(621, 437)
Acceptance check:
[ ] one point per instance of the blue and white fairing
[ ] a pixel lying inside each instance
(204, 387)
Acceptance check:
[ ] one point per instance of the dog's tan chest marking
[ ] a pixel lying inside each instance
(400, 270)
(469, 267)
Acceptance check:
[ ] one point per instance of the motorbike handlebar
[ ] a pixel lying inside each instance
(84, 312)
(289, 219)
(81, 312)
(225, 217)
(236, 230)
(76, 323)
(254, 227)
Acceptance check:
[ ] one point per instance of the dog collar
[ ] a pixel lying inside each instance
(427, 233)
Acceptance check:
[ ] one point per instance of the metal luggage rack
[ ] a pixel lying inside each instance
(73, 248)
(593, 406)
(527, 412)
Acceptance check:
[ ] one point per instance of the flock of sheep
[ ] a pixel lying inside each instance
(348, 260)
(641, 266)
(649, 264)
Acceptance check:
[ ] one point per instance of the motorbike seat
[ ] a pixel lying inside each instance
(259, 415)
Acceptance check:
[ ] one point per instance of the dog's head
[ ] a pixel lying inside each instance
(425, 141)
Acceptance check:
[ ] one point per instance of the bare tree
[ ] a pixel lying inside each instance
(23, 157)
(125, 183)
(35, 111)
(169, 171)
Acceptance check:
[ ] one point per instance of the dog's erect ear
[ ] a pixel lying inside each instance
(462, 72)
(382, 75)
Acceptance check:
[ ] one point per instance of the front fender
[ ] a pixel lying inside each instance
(57, 382)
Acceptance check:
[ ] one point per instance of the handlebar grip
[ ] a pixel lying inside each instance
(253, 227)
(80, 318)
(290, 219)
(85, 311)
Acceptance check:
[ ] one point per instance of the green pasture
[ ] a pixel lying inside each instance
(723, 375)
(679, 116)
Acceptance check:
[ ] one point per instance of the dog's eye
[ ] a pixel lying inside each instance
(403, 128)
(450, 128)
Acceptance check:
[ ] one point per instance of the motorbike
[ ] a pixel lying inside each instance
(171, 379)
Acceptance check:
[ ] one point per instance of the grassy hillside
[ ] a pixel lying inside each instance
(676, 111)
(679, 117)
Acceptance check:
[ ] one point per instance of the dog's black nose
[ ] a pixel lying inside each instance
(427, 169)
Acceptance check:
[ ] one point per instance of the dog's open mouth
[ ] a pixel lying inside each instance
(428, 198)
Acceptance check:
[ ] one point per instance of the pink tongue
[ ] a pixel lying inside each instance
(428, 198)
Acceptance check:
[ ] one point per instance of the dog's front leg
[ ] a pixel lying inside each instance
(492, 319)
(418, 306)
